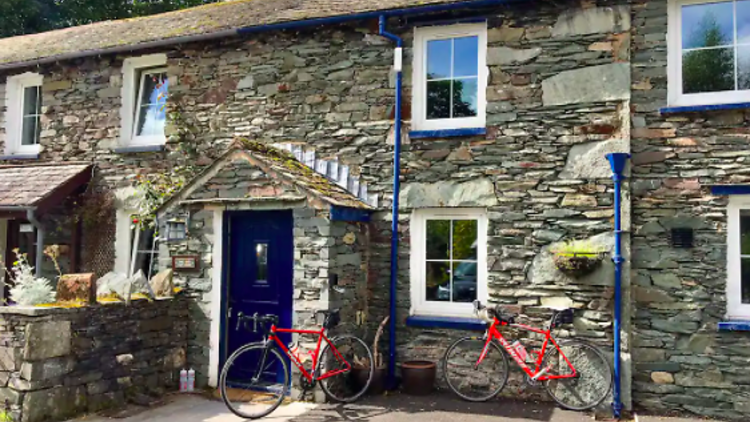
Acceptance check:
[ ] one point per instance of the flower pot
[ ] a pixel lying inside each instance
(377, 385)
(418, 377)
(577, 265)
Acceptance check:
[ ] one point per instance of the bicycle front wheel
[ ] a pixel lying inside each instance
(341, 376)
(592, 383)
(469, 379)
(254, 381)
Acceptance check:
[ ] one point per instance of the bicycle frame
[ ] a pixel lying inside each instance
(294, 357)
(537, 374)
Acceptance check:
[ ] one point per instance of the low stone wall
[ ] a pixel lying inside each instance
(59, 363)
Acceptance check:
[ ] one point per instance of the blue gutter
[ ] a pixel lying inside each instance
(416, 10)
(617, 161)
(391, 382)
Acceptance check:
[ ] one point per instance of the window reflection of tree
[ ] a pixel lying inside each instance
(439, 103)
(712, 69)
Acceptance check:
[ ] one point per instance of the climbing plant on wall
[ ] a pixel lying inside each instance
(156, 188)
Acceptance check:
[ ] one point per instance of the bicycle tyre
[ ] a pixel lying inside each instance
(345, 387)
(473, 379)
(273, 353)
(594, 387)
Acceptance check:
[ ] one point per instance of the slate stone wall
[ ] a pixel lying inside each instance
(681, 361)
(539, 170)
(61, 363)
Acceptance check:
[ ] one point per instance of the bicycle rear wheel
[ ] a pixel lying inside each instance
(339, 378)
(470, 381)
(593, 382)
(254, 381)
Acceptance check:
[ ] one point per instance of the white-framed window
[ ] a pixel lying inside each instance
(24, 110)
(136, 246)
(709, 52)
(450, 77)
(738, 257)
(145, 91)
(448, 261)
(144, 250)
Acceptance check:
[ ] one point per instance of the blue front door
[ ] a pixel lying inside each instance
(259, 272)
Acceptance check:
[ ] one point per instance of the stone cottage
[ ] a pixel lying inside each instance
(507, 109)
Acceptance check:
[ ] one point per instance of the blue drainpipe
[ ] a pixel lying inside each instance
(617, 161)
(396, 188)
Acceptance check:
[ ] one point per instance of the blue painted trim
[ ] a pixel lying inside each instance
(136, 149)
(699, 108)
(447, 133)
(730, 190)
(446, 322)
(374, 15)
(19, 157)
(734, 326)
(349, 214)
(446, 22)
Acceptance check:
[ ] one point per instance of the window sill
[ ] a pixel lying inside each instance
(138, 148)
(19, 157)
(446, 133)
(456, 323)
(720, 190)
(734, 326)
(699, 108)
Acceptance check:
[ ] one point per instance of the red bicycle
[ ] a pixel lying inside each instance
(256, 379)
(576, 374)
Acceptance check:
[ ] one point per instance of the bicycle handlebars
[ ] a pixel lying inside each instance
(242, 319)
(559, 317)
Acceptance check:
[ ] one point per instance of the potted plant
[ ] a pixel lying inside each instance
(362, 365)
(577, 258)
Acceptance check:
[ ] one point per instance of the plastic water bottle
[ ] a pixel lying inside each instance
(522, 353)
(183, 381)
(191, 381)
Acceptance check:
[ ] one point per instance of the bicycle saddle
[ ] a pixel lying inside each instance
(501, 316)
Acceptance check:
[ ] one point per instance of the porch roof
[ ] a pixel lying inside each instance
(39, 187)
(279, 165)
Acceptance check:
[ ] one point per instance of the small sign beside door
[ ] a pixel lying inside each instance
(185, 263)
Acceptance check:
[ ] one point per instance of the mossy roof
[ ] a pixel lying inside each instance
(279, 165)
(218, 19)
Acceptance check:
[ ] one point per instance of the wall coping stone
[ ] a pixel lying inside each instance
(55, 310)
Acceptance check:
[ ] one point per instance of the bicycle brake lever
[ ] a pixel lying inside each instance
(255, 322)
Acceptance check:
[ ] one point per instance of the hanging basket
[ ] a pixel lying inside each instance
(578, 265)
